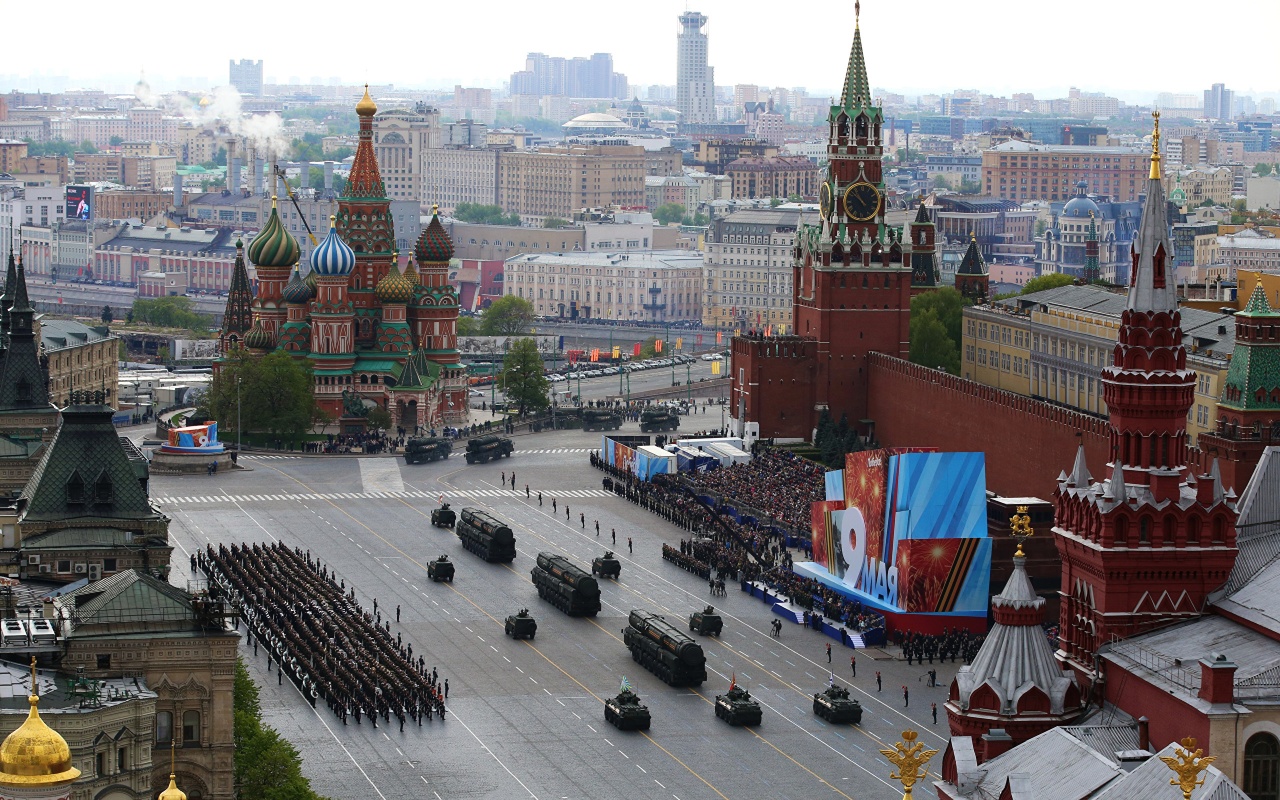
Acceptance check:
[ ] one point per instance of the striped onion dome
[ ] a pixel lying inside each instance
(394, 287)
(259, 338)
(434, 245)
(313, 283)
(332, 256)
(296, 291)
(274, 246)
(411, 274)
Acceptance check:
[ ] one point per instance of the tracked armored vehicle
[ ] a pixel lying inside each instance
(566, 586)
(835, 705)
(737, 708)
(664, 649)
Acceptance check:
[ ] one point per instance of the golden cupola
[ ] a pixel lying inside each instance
(366, 107)
(35, 754)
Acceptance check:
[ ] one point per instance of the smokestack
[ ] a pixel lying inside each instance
(305, 176)
(259, 176)
(177, 191)
(328, 177)
(275, 178)
(233, 175)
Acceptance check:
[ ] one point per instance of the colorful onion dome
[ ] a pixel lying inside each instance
(274, 246)
(259, 338)
(394, 287)
(366, 107)
(35, 754)
(434, 245)
(313, 283)
(296, 291)
(332, 256)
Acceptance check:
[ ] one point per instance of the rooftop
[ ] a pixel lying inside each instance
(1015, 146)
(59, 334)
(655, 259)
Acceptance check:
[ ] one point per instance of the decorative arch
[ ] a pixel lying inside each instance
(1262, 766)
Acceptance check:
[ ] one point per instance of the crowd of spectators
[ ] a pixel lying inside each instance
(815, 597)
(775, 481)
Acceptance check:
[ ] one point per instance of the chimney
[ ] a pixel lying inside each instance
(994, 743)
(1217, 679)
(233, 175)
(1144, 734)
(177, 191)
(328, 177)
(259, 179)
(305, 175)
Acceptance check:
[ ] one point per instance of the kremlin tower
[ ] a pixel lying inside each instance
(1144, 546)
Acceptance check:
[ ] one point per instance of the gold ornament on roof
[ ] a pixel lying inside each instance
(34, 754)
(1188, 765)
(1020, 529)
(173, 792)
(1155, 148)
(366, 107)
(909, 757)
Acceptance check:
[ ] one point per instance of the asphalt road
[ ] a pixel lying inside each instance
(526, 717)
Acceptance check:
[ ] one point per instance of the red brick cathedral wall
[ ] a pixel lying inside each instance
(1027, 442)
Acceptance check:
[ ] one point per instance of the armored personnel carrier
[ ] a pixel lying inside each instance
(664, 649)
(737, 708)
(706, 622)
(419, 450)
(440, 570)
(625, 712)
(835, 705)
(600, 419)
(566, 586)
(522, 625)
(659, 419)
(486, 536)
(606, 566)
(443, 517)
(483, 449)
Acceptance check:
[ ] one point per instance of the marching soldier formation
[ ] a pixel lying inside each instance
(318, 636)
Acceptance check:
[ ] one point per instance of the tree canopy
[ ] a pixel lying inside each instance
(484, 215)
(668, 213)
(523, 378)
(930, 344)
(509, 315)
(266, 765)
(170, 312)
(58, 147)
(1050, 281)
(274, 395)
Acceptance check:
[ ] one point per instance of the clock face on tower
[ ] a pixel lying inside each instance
(861, 201)
(824, 200)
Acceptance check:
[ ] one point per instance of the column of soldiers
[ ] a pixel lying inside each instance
(320, 637)
(953, 644)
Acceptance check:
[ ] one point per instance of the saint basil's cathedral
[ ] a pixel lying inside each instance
(372, 332)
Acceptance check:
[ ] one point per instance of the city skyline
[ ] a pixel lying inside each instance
(945, 61)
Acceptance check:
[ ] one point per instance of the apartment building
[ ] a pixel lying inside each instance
(401, 139)
(780, 176)
(1198, 184)
(1254, 249)
(747, 274)
(1022, 171)
(455, 175)
(558, 181)
(655, 286)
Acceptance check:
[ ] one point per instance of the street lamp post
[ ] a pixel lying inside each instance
(688, 381)
(237, 410)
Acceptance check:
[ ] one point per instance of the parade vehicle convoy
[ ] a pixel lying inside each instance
(486, 536)
(440, 570)
(600, 419)
(626, 713)
(737, 708)
(564, 585)
(443, 517)
(706, 622)
(606, 566)
(664, 649)
(521, 625)
(659, 419)
(419, 450)
(483, 449)
(835, 705)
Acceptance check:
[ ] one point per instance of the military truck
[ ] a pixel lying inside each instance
(737, 708)
(443, 517)
(601, 419)
(664, 650)
(440, 570)
(626, 713)
(659, 419)
(835, 705)
(522, 625)
(422, 449)
(483, 449)
(606, 566)
(486, 536)
(564, 585)
(706, 622)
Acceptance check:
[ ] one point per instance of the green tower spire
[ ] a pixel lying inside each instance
(857, 89)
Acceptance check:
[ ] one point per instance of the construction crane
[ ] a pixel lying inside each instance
(294, 199)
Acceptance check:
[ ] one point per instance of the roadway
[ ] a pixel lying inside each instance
(526, 717)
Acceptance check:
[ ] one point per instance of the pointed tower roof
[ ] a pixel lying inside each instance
(1150, 288)
(410, 378)
(434, 245)
(1258, 305)
(922, 216)
(857, 89)
(6, 300)
(972, 263)
(365, 180)
(1080, 476)
(23, 383)
(238, 316)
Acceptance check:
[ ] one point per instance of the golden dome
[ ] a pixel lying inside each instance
(366, 107)
(173, 792)
(34, 754)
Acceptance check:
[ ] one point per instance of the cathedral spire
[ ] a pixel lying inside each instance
(365, 180)
(857, 90)
(6, 300)
(238, 316)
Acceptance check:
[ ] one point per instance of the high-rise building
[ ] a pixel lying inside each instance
(246, 76)
(1218, 102)
(573, 77)
(695, 81)
(558, 181)
(400, 140)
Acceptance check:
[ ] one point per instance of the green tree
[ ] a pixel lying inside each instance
(970, 187)
(940, 182)
(1262, 170)
(107, 316)
(170, 312)
(947, 306)
(1041, 227)
(265, 764)
(57, 147)
(468, 326)
(116, 141)
(930, 344)
(555, 222)
(379, 418)
(668, 213)
(484, 215)
(269, 394)
(509, 315)
(1050, 281)
(523, 378)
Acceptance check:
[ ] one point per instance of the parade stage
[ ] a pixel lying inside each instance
(896, 619)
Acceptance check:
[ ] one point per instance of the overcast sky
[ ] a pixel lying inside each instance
(1131, 50)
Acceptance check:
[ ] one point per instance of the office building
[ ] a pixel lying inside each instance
(748, 268)
(780, 176)
(572, 77)
(695, 80)
(246, 77)
(654, 286)
(1218, 102)
(558, 181)
(401, 139)
(455, 175)
(1022, 171)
